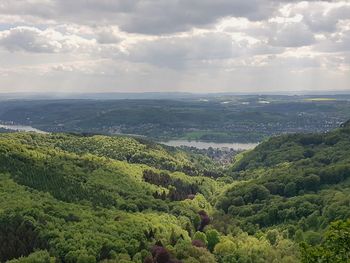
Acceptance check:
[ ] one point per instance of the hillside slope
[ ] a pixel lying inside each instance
(69, 198)
(122, 148)
(77, 204)
(299, 182)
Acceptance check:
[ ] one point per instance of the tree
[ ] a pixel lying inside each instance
(272, 236)
(205, 220)
(41, 256)
(290, 189)
(200, 236)
(311, 182)
(335, 248)
(213, 238)
(238, 201)
(84, 258)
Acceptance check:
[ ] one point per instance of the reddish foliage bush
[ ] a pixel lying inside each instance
(160, 254)
(198, 243)
(148, 259)
(205, 220)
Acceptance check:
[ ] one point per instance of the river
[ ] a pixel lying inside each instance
(175, 143)
(206, 145)
(20, 128)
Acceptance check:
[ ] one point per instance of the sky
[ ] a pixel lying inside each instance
(174, 45)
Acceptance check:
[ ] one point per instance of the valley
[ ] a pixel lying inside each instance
(174, 131)
(88, 198)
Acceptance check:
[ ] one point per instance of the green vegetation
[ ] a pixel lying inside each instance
(335, 246)
(131, 150)
(70, 198)
(292, 180)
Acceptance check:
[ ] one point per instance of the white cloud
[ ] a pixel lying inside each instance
(322, 16)
(291, 35)
(109, 35)
(32, 39)
(196, 45)
(141, 16)
(180, 51)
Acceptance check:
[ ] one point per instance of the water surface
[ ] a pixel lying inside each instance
(24, 128)
(206, 145)
(175, 143)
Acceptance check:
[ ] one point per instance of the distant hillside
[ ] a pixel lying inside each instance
(220, 119)
(122, 148)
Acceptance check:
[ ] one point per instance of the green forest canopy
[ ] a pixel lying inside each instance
(70, 198)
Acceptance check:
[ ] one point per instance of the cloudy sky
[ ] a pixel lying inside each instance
(174, 45)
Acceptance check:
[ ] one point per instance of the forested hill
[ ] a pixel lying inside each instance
(70, 198)
(122, 148)
(246, 118)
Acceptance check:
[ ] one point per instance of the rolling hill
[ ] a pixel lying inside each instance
(74, 198)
